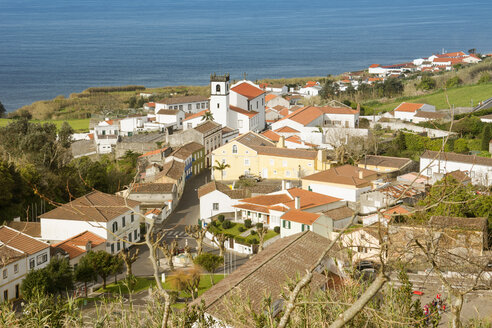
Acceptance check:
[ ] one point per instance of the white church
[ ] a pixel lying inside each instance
(240, 106)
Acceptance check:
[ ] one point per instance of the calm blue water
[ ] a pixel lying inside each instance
(54, 47)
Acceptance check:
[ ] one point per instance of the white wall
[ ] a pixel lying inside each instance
(351, 119)
(224, 201)
(295, 227)
(171, 119)
(132, 124)
(194, 122)
(480, 174)
(349, 194)
(13, 278)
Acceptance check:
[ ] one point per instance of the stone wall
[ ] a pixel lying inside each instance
(183, 137)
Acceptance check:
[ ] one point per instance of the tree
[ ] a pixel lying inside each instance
(188, 280)
(65, 135)
(209, 262)
(460, 146)
(197, 232)
(84, 273)
(36, 281)
(426, 83)
(117, 264)
(219, 239)
(262, 231)
(486, 136)
(102, 263)
(169, 250)
(207, 116)
(60, 275)
(220, 167)
(129, 259)
(2, 110)
(400, 142)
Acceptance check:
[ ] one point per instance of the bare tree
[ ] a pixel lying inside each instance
(169, 250)
(261, 231)
(219, 239)
(198, 233)
(129, 258)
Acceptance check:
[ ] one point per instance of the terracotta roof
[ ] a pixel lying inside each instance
(346, 175)
(300, 216)
(251, 139)
(156, 211)
(172, 169)
(215, 185)
(311, 83)
(95, 206)
(32, 229)
(452, 54)
(182, 100)
(385, 161)
(247, 90)
(75, 246)
(460, 176)
(252, 207)
(374, 66)
(430, 115)
(395, 210)
(243, 111)
(153, 152)
(207, 127)
(408, 107)
(267, 200)
(339, 213)
(21, 241)
(266, 273)
(279, 108)
(152, 188)
(271, 135)
(338, 110)
(304, 115)
(287, 129)
(196, 115)
(460, 158)
(269, 97)
(187, 150)
(9, 255)
(168, 112)
(298, 140)
(479, 224)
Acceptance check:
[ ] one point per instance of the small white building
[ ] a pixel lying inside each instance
(486, 118)
(132, 125)
(20, 254)
(187, 104)
(192, 121)
(76, 247)
(217, 198)
(170, 117)
(479, 169)
(106, 135)
(111, 217)
(406, 111)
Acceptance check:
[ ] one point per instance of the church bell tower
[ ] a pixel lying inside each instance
(219, 97)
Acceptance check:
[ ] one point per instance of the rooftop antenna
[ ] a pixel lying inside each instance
(245, 75)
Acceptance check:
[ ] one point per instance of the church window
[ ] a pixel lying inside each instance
(217, 88)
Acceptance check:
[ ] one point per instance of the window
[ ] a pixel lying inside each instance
(272, 162)
(115, 226)
(246, 161)
(218, 105)
(6, 295)
(274, 171)
(287, 173)
(40, 259)
(429, 172)
(286, 224)
(180, 107)
(132, 217)
(239, 123)
(130, 237)
(118, 246)
(5, 273)
(112, 248)
(189, 107)
(234, 149)
(197, 105)
(257, 105)
(16, 268)
(203, 105)
(32, 263)
(123, 222)
(310, 164)
(305, 227)
(135, 234)
(217, 88)
(216, 206)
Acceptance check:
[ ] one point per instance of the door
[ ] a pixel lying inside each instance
(265, 173)
(17, 291)
(6, 295)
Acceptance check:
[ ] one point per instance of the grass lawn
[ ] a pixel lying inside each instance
(81, 125)
(234, 230)
(205, 284)
(120, 287)
(270, 234)
(459, 97)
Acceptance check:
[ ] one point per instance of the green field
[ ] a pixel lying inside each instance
(81, 125)
(459, 97)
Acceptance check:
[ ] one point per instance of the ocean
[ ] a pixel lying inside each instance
(56, 47)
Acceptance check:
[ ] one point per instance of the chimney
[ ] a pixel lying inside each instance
(297, 202)
(283, 184)
(281, 142)
(361, 174)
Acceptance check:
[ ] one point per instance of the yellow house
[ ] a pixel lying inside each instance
(253, 154)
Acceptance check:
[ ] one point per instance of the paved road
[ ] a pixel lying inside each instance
(187, 212)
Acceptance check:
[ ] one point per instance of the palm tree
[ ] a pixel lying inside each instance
(207, 116)
(221, 167)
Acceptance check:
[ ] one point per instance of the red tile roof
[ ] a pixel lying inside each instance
(345, 175)
(199, 114)
(21, 241)
(243, 111)
(300, 217)
(153, 152)
(287, 129)
(75, 246)
(374, 66)
(311, 83)
(271, 135)
(338, 110)
(248, 90)
(408, 107)
(269, 97)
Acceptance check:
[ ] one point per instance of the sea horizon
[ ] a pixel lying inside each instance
(58, 47)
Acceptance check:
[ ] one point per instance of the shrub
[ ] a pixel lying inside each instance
(253, 232)
(226, 224)
(426, 83)
(484, 78)
(221, 218)
(259, 225)
(276, 229)
(247, 223)
(240, 239)
(453, 82)
(241, 229)
(213, 223)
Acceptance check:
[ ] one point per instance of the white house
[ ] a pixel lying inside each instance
(192, 121)
(479, 169)
(21, 253)
(347, 182)
(187, 104)
(132, 125)
(106, 135)
(108, 216)
(406, 111)
(170, 117)
(217, 198)
(76, 247)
